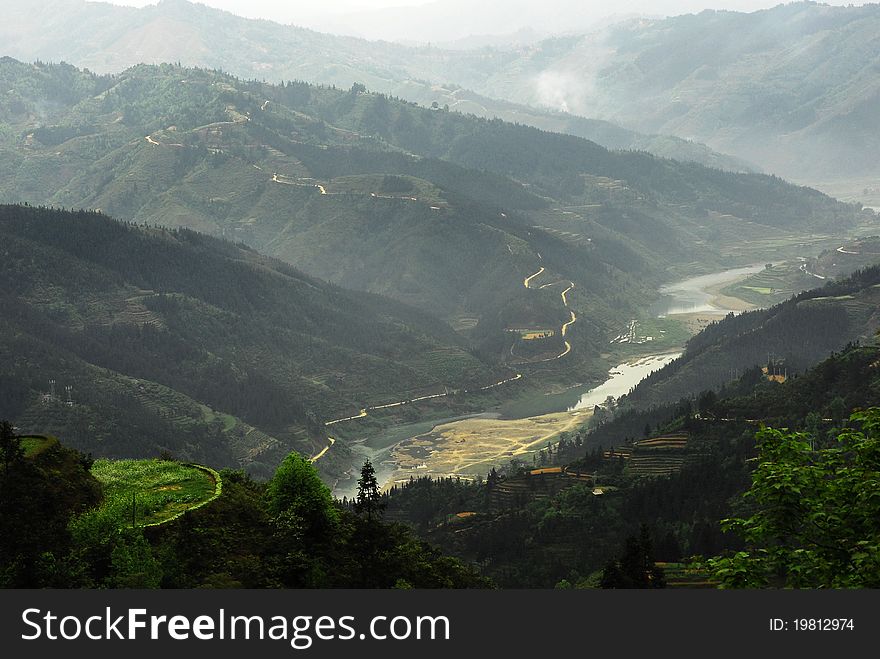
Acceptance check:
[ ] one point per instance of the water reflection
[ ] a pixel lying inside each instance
(622, 378)
(691, 295)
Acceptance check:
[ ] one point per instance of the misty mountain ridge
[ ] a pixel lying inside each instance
(108, 39)
(792, 88)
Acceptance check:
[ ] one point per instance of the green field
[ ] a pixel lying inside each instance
(772, 285)
(32, 445)
(653, 335)
(160, 489)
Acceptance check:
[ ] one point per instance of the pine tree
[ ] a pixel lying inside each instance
(369, 499)
(636, 567)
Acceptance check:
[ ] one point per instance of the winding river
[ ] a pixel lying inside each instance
(700, 294)
(430, 448)
(622, 378)
(695, 295)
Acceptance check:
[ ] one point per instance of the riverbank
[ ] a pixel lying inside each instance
(470, 447)
(696, 322)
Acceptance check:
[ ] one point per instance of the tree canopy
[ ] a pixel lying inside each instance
(816, 512)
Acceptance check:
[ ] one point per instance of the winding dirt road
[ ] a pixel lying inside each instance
(330, 442)
(365, 411)
(565, 326)
(530, 277)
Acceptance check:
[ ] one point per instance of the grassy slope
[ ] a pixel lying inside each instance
(161, 490)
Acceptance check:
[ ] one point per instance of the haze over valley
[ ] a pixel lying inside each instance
(510, 288)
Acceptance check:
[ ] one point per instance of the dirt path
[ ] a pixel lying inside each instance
(330, 442)
(530, 277)
(565, 326)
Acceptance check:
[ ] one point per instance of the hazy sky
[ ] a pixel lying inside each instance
(282, 10)
(273, 9)
(454, 19)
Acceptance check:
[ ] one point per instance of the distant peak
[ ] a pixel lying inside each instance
(180, 5)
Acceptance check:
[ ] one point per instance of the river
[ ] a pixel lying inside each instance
(695, 295)
(622, 378)
(470, 446)
(700, 294)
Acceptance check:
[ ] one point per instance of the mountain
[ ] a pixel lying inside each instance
(793, 89)
(172, 340)
(789, 89)
(108, 39)
(606, 133)
(435, 209)
(505, 21)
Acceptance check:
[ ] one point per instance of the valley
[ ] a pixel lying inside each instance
(548, 309)
(469, 447)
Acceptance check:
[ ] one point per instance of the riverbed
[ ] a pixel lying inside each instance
(701, 295)
(468, 447)
(622, 378)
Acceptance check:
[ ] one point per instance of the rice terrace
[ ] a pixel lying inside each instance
(143, 492)
(153, 492)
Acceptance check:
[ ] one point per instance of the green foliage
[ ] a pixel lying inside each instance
(145, 492)
(39, 494)
(56, 532)
(132, 563)
(297, 490)
(816, 511)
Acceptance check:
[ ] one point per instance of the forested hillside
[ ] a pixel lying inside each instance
(174, 341)
(794, 335)
(196, 35)
(442, 211)
(675, 470)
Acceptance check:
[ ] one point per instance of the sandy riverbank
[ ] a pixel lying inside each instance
(724, 304)
(472, 446)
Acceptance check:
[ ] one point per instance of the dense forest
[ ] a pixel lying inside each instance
(284, 533)
(172, 340)
(525, 525)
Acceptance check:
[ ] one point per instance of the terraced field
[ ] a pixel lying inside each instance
(772, 285)
(537, 484)
(680, 575)
(657, 456)
(153, 492)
